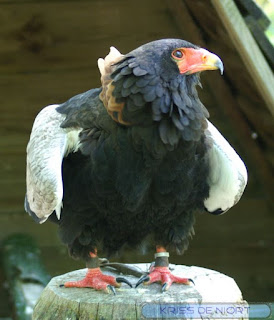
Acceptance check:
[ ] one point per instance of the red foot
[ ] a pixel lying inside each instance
(163, 275)
(95, 279)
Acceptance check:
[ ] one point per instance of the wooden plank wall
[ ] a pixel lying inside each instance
(48, 53)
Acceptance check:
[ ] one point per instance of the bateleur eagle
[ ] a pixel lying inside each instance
(132, 161)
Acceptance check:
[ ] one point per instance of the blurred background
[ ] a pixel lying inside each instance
(48, 53)
(268, 8)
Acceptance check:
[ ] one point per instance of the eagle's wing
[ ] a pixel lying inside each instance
(48, 145)
(228, 175)
(55, 134)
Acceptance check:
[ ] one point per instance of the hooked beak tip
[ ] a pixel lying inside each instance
(220, 66)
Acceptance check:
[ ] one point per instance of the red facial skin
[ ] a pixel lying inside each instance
(191, 60)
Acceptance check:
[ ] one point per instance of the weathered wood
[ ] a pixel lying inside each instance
(248, 49)
(62, 303)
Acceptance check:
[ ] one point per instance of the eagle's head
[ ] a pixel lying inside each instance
(157, 83)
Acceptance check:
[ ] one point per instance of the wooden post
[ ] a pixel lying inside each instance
(87, 304)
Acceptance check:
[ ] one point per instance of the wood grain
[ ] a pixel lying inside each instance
(85, 303)
(247, 47)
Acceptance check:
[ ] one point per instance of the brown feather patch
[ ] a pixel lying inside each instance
(114, 109)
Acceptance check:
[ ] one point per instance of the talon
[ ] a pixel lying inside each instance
(95, 279)
(120, 279)
(111, 288)
(103, 261)
(143, 279)
(151, 267)
(164, 276)
(164, 287)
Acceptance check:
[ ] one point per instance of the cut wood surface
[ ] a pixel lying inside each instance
(74, 303)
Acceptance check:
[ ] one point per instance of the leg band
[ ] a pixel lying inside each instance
(161, 262)
(92, 263)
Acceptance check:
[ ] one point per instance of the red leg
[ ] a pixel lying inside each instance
(96, 279)
(161, 273)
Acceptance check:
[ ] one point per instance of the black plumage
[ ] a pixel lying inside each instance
(146, 179)
(131, 162)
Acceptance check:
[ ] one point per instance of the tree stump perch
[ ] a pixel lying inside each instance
(87, 304)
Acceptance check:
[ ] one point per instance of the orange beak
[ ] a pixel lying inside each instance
(197, 60)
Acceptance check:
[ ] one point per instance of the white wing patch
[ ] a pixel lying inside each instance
(228, 174)
(48, 145)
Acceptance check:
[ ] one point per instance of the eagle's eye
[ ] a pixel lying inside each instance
(177, 54)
